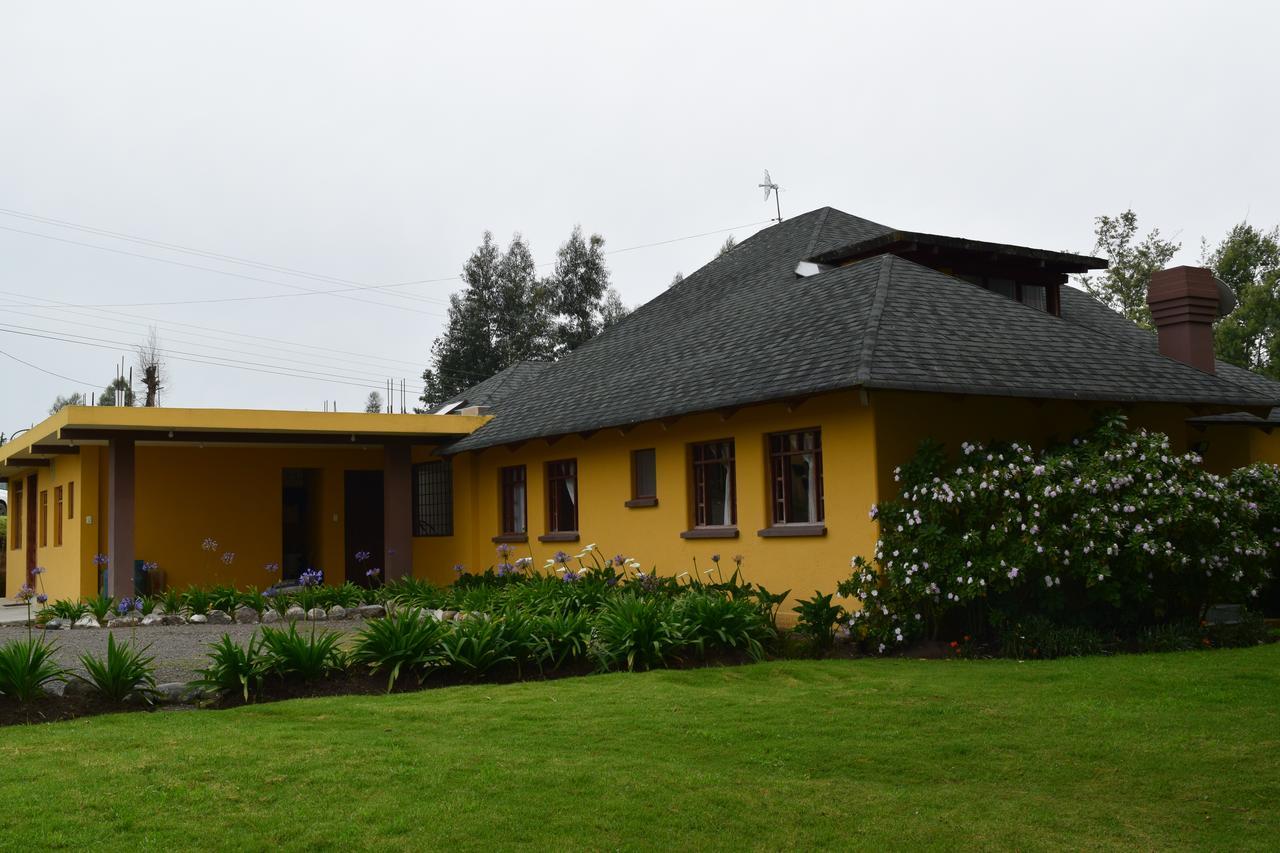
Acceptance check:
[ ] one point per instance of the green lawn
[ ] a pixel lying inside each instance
(1154, 751)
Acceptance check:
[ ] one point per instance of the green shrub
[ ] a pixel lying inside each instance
(1114, 526)
(476, 645)
(171, 600)
(100, 606)
(1169, 637)
(26, 665)
(197, 599)
(233, 668)
(1251, 630)
(68, 610)
(816, 619)
(222, 597)
(712, 621)
(124, 673)
(1038, 637)
(560, 638)
(636, 632)
(402, 642)
(348, 595)
(306, 657)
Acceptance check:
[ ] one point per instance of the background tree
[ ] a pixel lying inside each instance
(373, 404)
(578, 289)
(1123, 285)
(730, 243)
(60, 402)
(499, 318)
(613, 309)
(108, 396)
(151, 365)
(676, 279)
(1248, 260)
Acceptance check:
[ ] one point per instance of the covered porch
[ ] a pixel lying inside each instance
(127, 497)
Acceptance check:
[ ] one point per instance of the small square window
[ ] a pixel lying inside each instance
(644, 477)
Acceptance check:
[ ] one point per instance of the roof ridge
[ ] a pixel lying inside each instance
(863, 373)
(817, 229)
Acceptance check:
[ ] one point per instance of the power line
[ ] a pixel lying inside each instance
(42, 370)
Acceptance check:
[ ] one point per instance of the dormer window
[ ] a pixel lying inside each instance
(1039, 296)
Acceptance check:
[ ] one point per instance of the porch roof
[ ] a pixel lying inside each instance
(74, 426)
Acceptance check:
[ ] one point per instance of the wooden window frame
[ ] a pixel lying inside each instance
(71, 500)
(1052, 291)
(508, 477)
(698, 466)
(638, 499)
(57, 516)
(556, 472)
(432, 510)
(44, 518)
(779, 484)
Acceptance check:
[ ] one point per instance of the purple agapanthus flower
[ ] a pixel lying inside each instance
(38, 570)
(41, 598)
(270, 592)
(137, 604)
(228, 557)
(209, 544)
(459, 569)
(570, 576)
(150, 566)
(715, 558)
(373, 573)
(100, 560)
(619, 560)
(125, 605)
(505, 569)
(26, 592)
(362, 556)
(271, 568)
(561, 557)
(311, 577)
(504, 551)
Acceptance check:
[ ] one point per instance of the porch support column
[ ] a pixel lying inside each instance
(397, 512)
(120, 457)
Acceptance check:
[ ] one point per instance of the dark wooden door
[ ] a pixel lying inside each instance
(363, 526)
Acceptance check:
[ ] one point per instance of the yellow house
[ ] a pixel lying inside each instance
(756, 410)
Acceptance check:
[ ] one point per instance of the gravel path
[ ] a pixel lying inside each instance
(179, 650)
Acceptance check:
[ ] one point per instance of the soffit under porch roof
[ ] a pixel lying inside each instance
(69, 429)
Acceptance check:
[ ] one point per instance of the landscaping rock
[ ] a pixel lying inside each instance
(246, 615)
(270, 616)
(337, 611)
(219, 617)
(172, 692)
(55, 624)
(370, 611)
(317, 614)
(153, 618)
(294, 613)
(175, 619)
(124, 622)
(87, 621)
(54, 688)
(450, 615)
(77, 688)
(198, 619)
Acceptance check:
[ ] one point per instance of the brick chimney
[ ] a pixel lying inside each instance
(1184, 304)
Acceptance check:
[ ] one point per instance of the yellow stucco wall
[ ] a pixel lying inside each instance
(652, 534)
(61, 578)
(233, 495)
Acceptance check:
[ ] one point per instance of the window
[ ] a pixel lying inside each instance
(714, 485)
(71, 500)
(433, 498)
(15, 513)
(1039, 296)
(44, 518)
(514, 505)
(562, 496)
(795, 465)
(57, 515)
(644, 478)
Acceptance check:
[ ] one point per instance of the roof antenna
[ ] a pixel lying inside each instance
(770, 187)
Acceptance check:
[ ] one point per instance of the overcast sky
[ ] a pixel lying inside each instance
(373, 143)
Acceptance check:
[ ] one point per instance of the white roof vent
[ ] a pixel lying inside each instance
(804, 269)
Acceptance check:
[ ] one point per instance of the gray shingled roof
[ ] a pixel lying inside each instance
(745, 329)
(500, 385)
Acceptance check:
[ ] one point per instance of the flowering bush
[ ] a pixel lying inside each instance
(1114, 531)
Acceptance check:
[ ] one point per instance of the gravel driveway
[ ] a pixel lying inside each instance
(179, 650)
